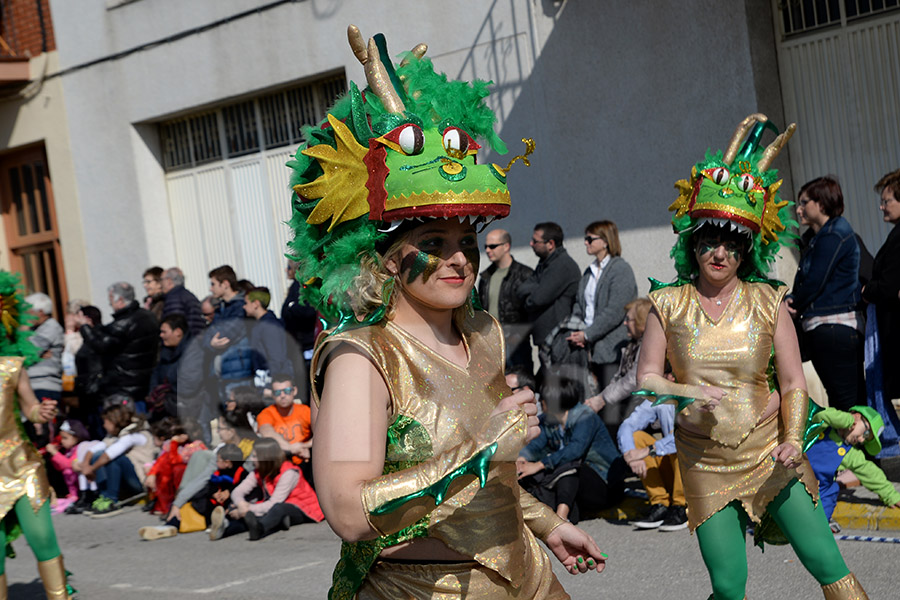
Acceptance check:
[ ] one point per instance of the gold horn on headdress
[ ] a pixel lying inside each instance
(376, 75)
(774, 148)
(739, 134)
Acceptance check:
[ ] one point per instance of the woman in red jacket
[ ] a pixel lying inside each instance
(287, 498)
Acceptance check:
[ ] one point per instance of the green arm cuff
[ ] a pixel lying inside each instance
(478, 465)
(682, 401)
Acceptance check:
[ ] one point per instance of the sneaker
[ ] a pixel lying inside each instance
(83, 503)
(654, 517)
(104, 507)
(253, 526)
(157, 532)
(676, 518)
(217, 524)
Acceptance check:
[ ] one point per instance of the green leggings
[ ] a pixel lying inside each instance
(37, 528)
(724, 551)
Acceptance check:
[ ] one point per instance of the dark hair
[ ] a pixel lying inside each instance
(826, 192)
(249, 399)
(237, 420)
(261, 294)
(154, 272)
(93, 313)
(524, 378)
(244, 285)
(77, 429)
(166, 428)
(563, 387)
(282, 377)
(231, 453)
(176, 321)
(609, 233)
(121, 415)
(891, 181)
(269, 458)
(225, 273)
(551, 231)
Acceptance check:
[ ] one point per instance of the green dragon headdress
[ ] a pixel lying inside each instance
(13, 339)
(737, 189)
(404, 148)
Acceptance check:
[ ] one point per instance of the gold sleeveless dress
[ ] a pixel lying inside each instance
(437, 405)
(21, 468)
(731, 460)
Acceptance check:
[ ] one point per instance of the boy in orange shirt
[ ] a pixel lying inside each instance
(288, 423)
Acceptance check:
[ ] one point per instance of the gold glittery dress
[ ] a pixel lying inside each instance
(21, 469)
(731, 460)
(437, 408)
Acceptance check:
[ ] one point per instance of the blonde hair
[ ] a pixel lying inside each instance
(609, 233)
(641, 308)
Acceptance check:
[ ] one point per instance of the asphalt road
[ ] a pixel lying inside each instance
(111, 562)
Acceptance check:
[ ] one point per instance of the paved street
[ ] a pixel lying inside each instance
(111, 562)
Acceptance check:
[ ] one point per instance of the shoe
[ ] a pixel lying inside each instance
(217, 524)
(286, 523)
(157, 532)
(253, 526)
(62, 505)
(676, 518)
(83, 503)
(654, 518)
(104, 507)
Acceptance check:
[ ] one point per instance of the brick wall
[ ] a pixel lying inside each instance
(20, 27)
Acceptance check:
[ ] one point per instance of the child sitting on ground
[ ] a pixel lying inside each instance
(74, 442)
(836, 450)
(217, 492)
(166, 473)
(287, 499)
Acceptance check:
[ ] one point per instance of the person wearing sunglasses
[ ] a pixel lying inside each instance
(498, 286)
(288, 422)
(838, 450)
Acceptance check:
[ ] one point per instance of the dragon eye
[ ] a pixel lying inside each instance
(456, 140)
(720, 175)
(745, 182)
(411, 140)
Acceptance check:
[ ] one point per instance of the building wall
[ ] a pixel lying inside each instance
(37, 115)
(26, 27)
(622, 98)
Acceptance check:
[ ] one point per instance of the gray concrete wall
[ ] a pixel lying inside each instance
(622, 98)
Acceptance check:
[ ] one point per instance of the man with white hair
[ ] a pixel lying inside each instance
(178, 299)
(128, 345)
(48, 337)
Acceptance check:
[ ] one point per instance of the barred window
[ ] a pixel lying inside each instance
(802, 16)
(268, 121)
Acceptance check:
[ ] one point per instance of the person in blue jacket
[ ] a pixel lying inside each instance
(573, 465)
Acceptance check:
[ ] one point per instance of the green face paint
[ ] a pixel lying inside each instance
(420, 263)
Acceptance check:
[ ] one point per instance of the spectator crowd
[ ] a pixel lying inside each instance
(201, 407)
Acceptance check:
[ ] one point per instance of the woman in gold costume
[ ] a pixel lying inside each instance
(24, 489)
(738, 380)
(416, 431)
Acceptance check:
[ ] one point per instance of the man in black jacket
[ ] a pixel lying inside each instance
(550, 292)
(498, 289)
(178, 299)
(128, 345)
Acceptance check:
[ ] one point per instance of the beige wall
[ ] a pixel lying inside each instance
(36, 114)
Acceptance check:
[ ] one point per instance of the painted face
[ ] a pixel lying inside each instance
(718, 259)
(890, 206)
(438, 263)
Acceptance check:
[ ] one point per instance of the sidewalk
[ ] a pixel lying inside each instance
(857, 508)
